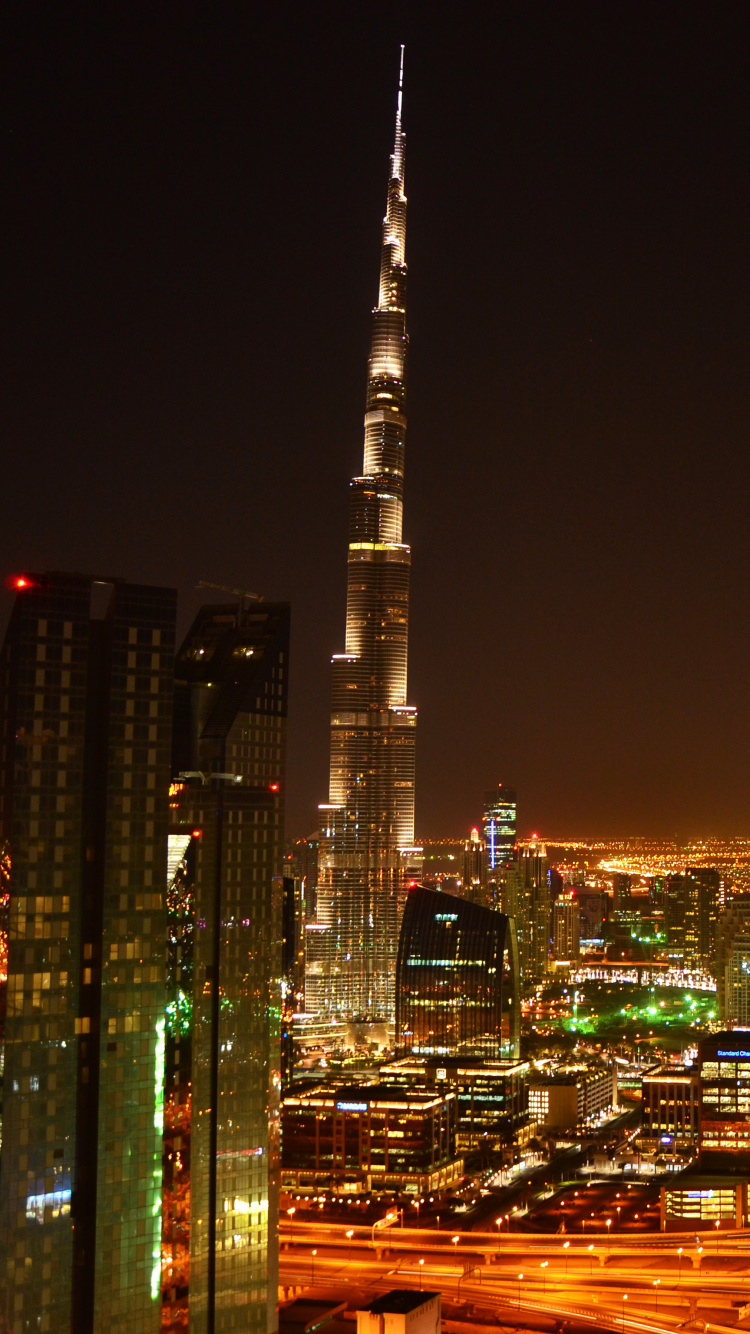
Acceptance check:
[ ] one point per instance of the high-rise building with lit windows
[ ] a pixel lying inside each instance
(86, 715)
(367, 837)
(499, 826)
(227, 827)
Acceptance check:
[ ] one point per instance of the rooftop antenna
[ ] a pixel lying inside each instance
(240, 593)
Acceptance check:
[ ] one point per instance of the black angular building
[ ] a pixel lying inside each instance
(456, 979)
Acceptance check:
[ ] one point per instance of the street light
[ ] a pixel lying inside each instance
(421, 1263)
(520, 1276)
(717, 1235)
(591, 1259)
(350, 1234)
(624, 1299)
(543, 1266)
(657, 1281)
(566, 1247)
(313, 1268)
(609, 1224)
(679, 1273)
(291, 1213)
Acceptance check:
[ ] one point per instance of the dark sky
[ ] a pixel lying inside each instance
(190, 255)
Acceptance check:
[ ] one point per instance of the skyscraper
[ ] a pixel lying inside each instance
(86, 672)
(499, 826)
(227, 802)
(366, 843)
(526, 900)
(566, 926)
(733, 963)
(457, 979)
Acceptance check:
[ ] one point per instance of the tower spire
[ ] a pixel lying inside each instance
(366, 849)
(397, 157)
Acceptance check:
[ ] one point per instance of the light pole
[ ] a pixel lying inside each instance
(566, 1248)
(291, 1213)
(312, 1276)
(520, 1276)
(718, 1221)
(679, 1272)
(350, 1234)
(591, 1259)
(657, 1281)
(455, 1240)
(609, 1224)
(421, 1263)
(624, 1299)
(543, 1266)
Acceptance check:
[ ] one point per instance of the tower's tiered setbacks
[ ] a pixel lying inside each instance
(366, 845)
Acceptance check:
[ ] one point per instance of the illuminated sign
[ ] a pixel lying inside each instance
(446, 916)
(735, 1055)
(351, 1106)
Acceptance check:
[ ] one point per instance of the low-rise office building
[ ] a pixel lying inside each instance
(402, 1311)
(670, 1108)
(696, 1201)
(492, 1096)
(377, 1138)
(724, 1062)
(572, 1099)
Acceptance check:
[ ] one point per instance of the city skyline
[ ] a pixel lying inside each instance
(190, 268)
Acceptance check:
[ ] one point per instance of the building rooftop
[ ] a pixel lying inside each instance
(400, 1301)
(306, 1314)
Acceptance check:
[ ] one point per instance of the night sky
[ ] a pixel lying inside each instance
(191, 252)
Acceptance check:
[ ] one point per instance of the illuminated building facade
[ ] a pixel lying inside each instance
(493, 1096)
(692, 902)
(456, 979)
(370, 1137)
(733, 963)
(724, 1061)
(526, 900)
(368, 823)
(474, 876)
(229, 757)
(573, 1099)
(87, 717)
(566, 926)
(670, 1107)
(499, 826)
(696, 1202)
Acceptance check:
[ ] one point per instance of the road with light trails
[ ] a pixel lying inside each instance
(600, 1302)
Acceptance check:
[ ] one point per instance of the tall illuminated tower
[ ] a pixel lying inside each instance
(366, 843)
(86, 689)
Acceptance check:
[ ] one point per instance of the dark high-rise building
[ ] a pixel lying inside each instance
(227, 802)
(366, 843)
(86, 679)
(456, 979)
(499, 826)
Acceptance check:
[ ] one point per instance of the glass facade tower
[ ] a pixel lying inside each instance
(86, 673)
(456, 980)
(499, 826)
(227, 807)
(368, 822)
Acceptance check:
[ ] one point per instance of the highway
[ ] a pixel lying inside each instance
(645, 1288)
